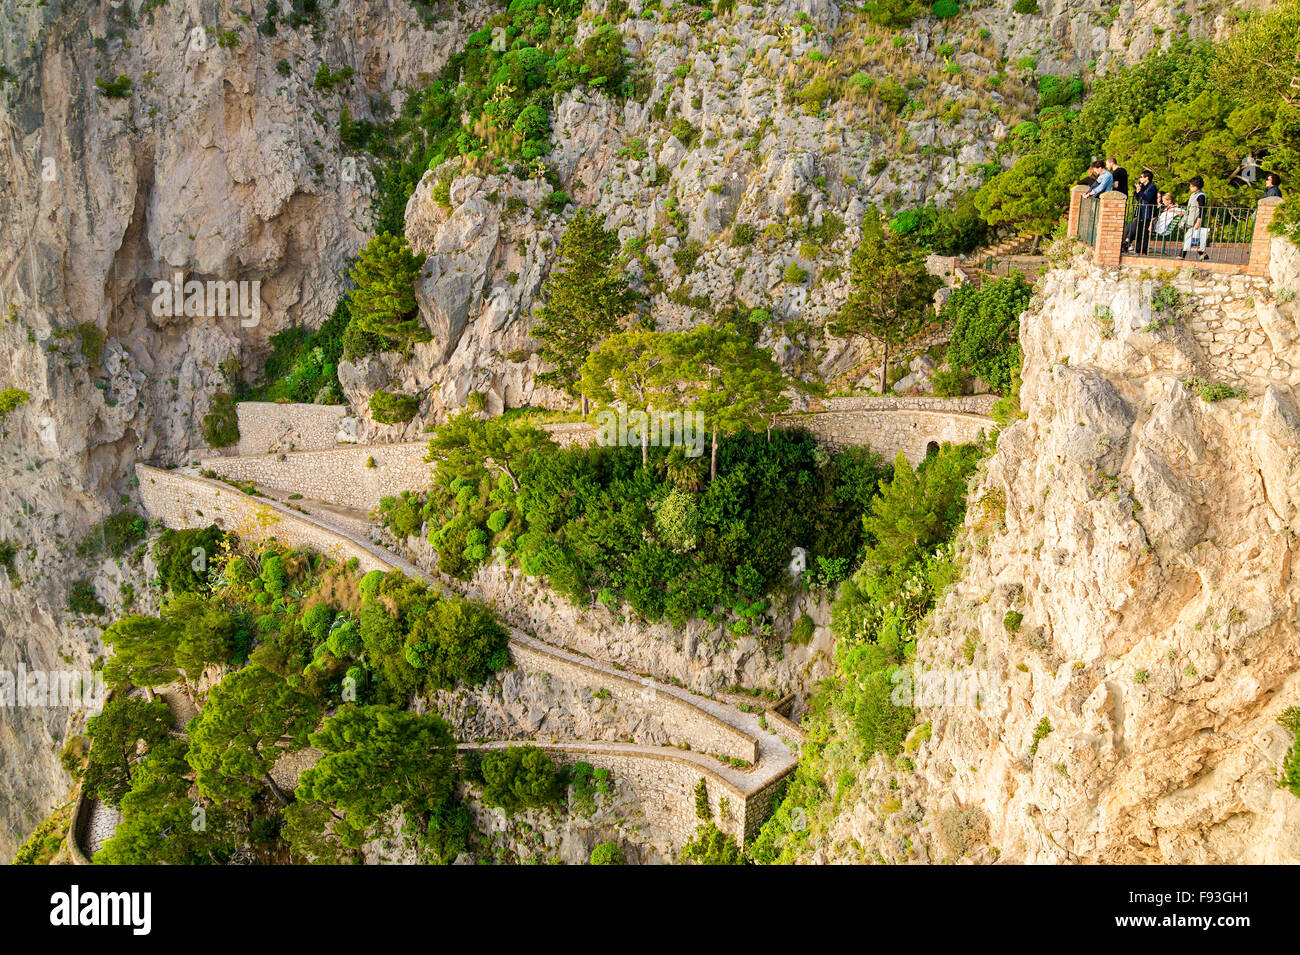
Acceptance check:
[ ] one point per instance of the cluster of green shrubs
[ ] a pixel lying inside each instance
(187, 559)
(82, 599)
(415, 641)
(875, 621)
(950, 231)
(10, 400)
(986, 330)
(221, 423)
(661, 538)
(113, 536)
(491, 96)
(388, 407)
(301, 634)
(303, 364)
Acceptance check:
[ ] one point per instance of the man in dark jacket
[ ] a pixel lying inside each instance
(1120, 174)
(1272, 186)
(1145, 197)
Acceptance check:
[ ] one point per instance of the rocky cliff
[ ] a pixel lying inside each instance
(224, 164)
(1129, 599)
(219, 165)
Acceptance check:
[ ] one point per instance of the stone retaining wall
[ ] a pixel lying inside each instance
(1246, 336)
(888, 432)
(184, 500)
(267, 426)
(663, 781)
(706, 733)
(355, 476)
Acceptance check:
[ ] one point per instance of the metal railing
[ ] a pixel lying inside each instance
(1086, 229)
(1221, 233)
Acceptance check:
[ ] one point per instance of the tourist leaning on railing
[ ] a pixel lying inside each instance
(1104, 179)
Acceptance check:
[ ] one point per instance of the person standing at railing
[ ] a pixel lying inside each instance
(1145, 198)
(1104, 179)
(1272, 186)
(1119, 175)
(1196, 234)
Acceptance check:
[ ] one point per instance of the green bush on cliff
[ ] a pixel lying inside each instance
(221, 423)
(520, 777)
(986, 326)
(663, 539)
(388, 407)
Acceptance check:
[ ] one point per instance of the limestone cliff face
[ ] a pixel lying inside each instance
(1147, 539)
(224, 164)
(730, 186)
(219, 166)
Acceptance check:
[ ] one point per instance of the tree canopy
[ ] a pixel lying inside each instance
(586, 297)
(376, 758)
(889, 292)
(383, 301)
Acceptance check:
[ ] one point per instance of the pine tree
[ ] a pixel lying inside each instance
(236, 739)
(736, 384)
(587, 295)
(376, 758)
(115, 734)
(889, 292)
(634, 369)
(468, 447)
(383, 302)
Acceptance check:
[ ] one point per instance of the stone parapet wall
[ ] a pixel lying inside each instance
(663, 781)
(182, 500)
(354, 476)
(964, 404)
(267, 426)
(889, 432)
(673, 708)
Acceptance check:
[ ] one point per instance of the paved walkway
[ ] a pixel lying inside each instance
(775, 757)
(103, 823)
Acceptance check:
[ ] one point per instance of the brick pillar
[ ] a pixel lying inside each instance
(1076, 196)
(1110, 229)
(1260, 241)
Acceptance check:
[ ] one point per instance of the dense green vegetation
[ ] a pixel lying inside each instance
(116, 735)
(492, 102)
(221, 423)
(186, 559)
(661, 538)
(520, 777)
(46, 840)
(303, 363)
(1290, 777)
(986, 330)
(388, 407)
(1180, 113)
(382, 303)
(300, 636)
(875, 621)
